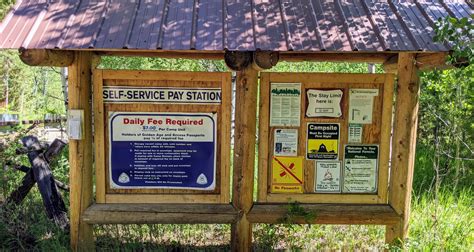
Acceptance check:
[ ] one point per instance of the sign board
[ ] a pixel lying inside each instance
(287, 175)
(324, 103)
(328, 177)
(120, 94)
(162, 150)
(322, 141)
(360, 168)
(285, 104)
(286, 142)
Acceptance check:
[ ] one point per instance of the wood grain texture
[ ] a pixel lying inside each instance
(221, 193)
(376, 133)
(342, 214)
(403, 145)
(99, 136)
(160, 213)
(244, 156)
(80, 152)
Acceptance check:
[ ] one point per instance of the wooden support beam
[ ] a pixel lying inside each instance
(352, 57)
(190, 54)
(327, 214)
(403, 145)
(80, 153)
(244, 156)
(424, 61)
(238, 61)
(265, 59)
(160, 213)
(43, 57)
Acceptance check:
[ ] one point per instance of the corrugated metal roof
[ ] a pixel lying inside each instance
(216, 25)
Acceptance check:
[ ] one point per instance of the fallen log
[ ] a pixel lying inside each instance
(52, 200)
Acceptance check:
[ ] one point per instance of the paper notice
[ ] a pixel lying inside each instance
(324, 103)
(355, 133)
(286, 142)
(285, 104)
(361, 103)
(328, 176)
(360, 168)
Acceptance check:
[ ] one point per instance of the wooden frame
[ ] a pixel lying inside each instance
(378, 133)
(102, 78)
(394, 213)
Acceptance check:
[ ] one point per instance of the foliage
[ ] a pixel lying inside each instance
(32, 91)
(459, 34)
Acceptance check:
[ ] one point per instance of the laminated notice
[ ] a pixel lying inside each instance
(360, 168)
(324, 103)
(285, 104)
(286, 142)
(361, 104)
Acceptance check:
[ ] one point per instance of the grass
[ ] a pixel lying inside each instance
(442, 221)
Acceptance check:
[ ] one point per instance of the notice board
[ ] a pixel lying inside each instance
(162, 137)
(324, 138)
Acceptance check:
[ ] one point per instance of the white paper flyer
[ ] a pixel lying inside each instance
(285, 104)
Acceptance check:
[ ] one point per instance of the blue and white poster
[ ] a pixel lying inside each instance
(162, 150)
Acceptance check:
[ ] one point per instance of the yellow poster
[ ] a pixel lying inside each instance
(287, 175)
(322, 141)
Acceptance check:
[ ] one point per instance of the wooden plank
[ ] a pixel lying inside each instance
(263, 138)
(385, 134)
(403, 145)
(355, 57)
(225, 121)
(80, 153)
(159, 213)
(163, 198)
(160, 75)
(327, 214)
(244, 156)
(325, 198)
(99, 137)
(329, 78)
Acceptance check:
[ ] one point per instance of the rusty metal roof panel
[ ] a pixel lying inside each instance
(216, 25)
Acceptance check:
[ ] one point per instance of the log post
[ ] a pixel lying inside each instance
(43, 57)
(403, 145)
(244, 156)
(80, 153)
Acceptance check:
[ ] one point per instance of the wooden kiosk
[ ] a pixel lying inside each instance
(251, 37)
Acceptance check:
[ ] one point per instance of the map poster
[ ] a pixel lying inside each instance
(322, 141)
(328, 177)
(285, 104)
(286, 142)
(162, 150)
(361, 104)
(360, 168)
(287, 175)
(324, 103)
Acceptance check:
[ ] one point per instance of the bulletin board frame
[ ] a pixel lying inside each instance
(379, 132)
(165, 79)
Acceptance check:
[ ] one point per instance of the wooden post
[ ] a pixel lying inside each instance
(244, 156)
(403, 145)
(80, 153)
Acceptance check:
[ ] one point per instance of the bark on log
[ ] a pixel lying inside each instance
(52, 200)
(43, 57)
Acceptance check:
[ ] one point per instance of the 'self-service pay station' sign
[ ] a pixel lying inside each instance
(162, 150)
(161, 95)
